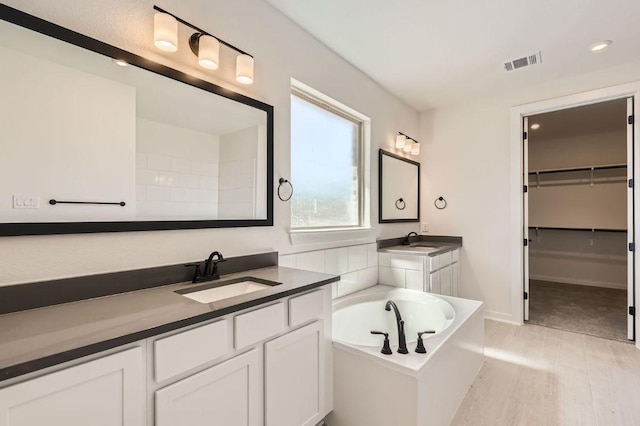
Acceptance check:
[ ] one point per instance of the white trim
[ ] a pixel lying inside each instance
(574, 281)
(500, 316)
(516, 179)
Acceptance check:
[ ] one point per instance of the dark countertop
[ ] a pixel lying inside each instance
(39, 338)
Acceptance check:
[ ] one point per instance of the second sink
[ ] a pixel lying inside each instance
(215, 292)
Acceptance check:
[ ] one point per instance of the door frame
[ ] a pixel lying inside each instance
(517, 113)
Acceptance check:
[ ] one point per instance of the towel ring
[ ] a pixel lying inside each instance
(400, 204)
(281, 182)
(440, 203)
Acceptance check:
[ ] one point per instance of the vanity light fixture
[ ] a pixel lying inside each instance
(535, 126)
(407, 144)
(204, 45)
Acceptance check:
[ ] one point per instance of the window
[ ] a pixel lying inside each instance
(326, 164)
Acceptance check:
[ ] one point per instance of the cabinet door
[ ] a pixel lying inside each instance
(108, 391)
(228, 394)
(445, 281)
(455, 279)
(295, 377)
(434, 282)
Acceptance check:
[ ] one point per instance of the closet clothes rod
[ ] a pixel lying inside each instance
(577, 229)
(579, 169)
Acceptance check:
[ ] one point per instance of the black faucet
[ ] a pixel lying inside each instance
(210, 268)
(402, 340)
(405, 241)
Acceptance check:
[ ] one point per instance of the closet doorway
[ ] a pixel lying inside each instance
(578, 215)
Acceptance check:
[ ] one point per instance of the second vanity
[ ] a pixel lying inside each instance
(429, 264)
(156, 357)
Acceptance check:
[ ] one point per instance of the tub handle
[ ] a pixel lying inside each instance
(420, 346)
(386, 348)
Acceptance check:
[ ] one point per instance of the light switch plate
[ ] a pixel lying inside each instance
(26, 202)
(424, 227)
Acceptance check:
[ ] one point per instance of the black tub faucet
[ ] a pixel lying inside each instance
(405, 241)
(402, 340)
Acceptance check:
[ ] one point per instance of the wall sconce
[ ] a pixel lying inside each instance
(204, 45)
(407, 144)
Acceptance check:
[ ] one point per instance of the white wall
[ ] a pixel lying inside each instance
(467, 155)
(92, 136)
(282, 50)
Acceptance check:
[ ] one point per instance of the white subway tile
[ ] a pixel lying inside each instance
(141, 161)
(180, 165)
(311, 261)
(207, 182)
(368, 277)
(158, 162)
(384, 259)
(287, 260)
(407, 261)
(141, 192)
(391, 276)
(357, 258)
(146, 177)
(414, 280)
(201, 168)
(336, 261)
(168, 179)
(349, 284)
(158, 193)
(372, 255)
(189, 181)
(178, 194)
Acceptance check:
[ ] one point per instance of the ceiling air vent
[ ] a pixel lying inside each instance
(525, 61)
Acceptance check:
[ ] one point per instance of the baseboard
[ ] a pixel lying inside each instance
(501, 316)
(564, 280)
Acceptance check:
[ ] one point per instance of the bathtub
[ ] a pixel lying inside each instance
(373, 389)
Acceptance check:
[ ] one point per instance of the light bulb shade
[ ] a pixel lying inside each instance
(415, 149)
(244, 69)
(165, 32)
(400, 141)
(408, 145)
(208, 52)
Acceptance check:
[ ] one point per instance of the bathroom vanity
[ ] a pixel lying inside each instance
(155, 356)
(430, 266)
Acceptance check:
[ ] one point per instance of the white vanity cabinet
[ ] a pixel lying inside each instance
(443, 274)
(267, 365)
(295, 377)
(229, 394)
(108, 391)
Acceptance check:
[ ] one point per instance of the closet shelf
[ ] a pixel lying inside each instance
(578, 229)
(578, 169)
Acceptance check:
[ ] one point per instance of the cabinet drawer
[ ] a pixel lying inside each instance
(455, 255)
(258, 325)
(189, 349)
(306, 307)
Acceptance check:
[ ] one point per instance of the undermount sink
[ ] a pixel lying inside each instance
(217, 291)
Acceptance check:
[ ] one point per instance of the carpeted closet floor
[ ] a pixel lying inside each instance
(596, 311)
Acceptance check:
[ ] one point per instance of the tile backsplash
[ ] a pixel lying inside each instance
(356, 265)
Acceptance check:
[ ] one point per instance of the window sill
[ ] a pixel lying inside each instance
(332, 235)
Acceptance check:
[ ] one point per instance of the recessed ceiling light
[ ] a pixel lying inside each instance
(599, 46)
(120, 62)
(535, 126)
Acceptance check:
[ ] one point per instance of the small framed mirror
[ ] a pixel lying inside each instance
(398, 189)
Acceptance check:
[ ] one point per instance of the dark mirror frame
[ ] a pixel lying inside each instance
(381, 155)
(45, 228)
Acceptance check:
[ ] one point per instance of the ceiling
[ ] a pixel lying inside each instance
(434, 53)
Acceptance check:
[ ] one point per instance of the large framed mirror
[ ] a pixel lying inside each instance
(398, 188)
(89, 145)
